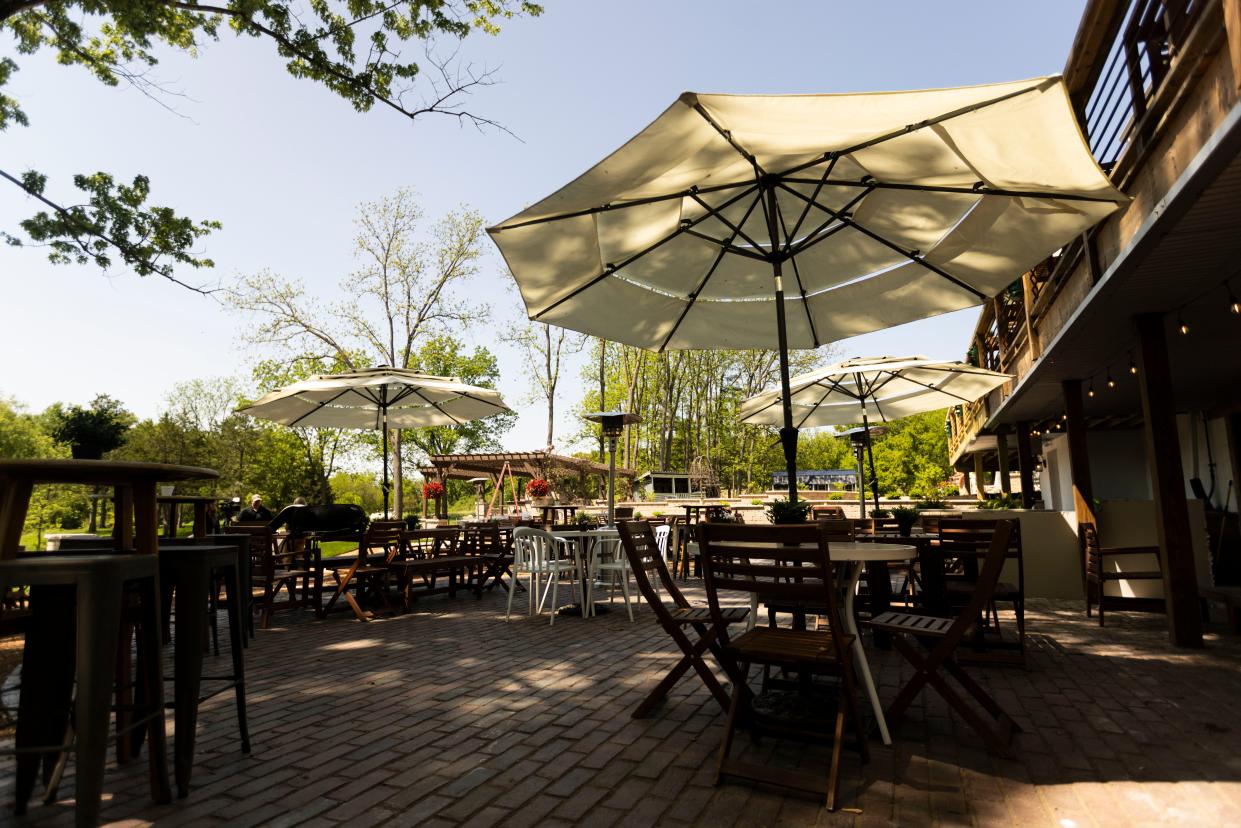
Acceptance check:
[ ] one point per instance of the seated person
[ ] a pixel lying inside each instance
(287, 516)
(255, 511)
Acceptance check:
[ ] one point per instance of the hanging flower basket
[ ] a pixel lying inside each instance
(433, 490)
(539, 491)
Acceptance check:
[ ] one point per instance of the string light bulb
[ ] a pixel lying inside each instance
(1133, 366)
(1182, 326)
(1234, 304)
(1111, 383)
(1090, 391)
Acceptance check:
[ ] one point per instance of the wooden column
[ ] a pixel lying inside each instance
(1163, 455)
(1079, 456)
(979, 488)
(1025, 464)
(1001, 453)
(1232, 25)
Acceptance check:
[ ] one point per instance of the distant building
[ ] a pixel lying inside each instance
(818, 480)
(664, 485)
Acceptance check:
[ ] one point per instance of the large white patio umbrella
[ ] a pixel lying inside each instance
(377, 398)
(893, 387)
(879, 208)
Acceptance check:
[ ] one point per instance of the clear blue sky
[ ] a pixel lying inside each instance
(283, 163)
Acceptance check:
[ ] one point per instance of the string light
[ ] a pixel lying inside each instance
(1111, 383)
(1090, 391)
(1182, 326)
(1234, 304)
(1133, 368)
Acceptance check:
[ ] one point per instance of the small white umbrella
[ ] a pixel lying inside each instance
(892, 387)
(377, 398)
(790, 221)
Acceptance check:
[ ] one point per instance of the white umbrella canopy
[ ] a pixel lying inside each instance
(878, 209)
(892, 387)
(379, 399)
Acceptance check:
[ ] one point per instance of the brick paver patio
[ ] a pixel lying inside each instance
(449, 716)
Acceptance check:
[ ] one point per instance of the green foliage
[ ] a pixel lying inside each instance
(444, 355)
(929, 503)
(93, 431)
(359, 489)
(352, 47)
(905, 517)
(24, 435)
(913, 456)
(782, 511)
(881, 513)
(1004, 501)
(115, 220)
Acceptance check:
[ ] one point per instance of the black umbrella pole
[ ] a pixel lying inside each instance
(870, 455)
(788, 434)
(386, 484)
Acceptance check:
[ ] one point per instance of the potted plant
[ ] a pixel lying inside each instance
(880, 513)
(584, 520)
(412, 522)
(782, 511)
(539, 491)
(906, 517)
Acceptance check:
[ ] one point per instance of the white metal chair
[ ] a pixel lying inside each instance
(610, 558)
(663, 537)
(538, 554)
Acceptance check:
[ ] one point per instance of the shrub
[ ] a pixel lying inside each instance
(838, 496)
(1008, 501)
(881, 513)
(782, 511)
(538, 487)
(758, 501)
(930, 503)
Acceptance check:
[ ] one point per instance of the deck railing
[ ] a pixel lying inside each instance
(1118, 97)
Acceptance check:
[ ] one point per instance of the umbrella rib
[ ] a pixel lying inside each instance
(727, 246)
(319, 407)
(608, 271)
(934, 388)
(728, 136)
(437, 407)
(818, 187)
(827, 392)
(812, 239)
(737, 231)
(977, 190)
(637, 202)
(916, 259)
(693, 297)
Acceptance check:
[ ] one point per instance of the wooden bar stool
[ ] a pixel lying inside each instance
(75, 630)
(190, 571)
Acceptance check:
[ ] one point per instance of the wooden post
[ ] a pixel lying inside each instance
(979, 489)
(1079, 456)
(1025, 463)
(1163, 455)
(1232, 26)
(1001, 453)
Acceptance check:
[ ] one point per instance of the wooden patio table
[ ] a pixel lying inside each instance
(135, 493)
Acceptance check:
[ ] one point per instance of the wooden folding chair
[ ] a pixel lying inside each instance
(273, 568)
(789, 565)
(642, 550)
(968, 541)
(368, 573)
(941, 636)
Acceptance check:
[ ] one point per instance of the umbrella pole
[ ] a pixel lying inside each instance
(788, 434)
(383, 410)
(870, 455)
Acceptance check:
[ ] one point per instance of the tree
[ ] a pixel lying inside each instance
(912, 458)
(353, 47)
(93, 431)
(407, 288)
(444, 355)
(23, 435)
(541, 346)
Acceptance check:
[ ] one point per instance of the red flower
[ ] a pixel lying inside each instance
(433, 489)
(538, 487)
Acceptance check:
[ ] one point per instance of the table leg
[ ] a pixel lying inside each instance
(859, 653)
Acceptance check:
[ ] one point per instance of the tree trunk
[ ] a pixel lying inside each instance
(398, 496)
(603, 403)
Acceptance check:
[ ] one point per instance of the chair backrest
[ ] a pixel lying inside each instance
(786, 564)
(1088, 539)
(481, 539)
(624, 512)
(382, 535)
(998, 550)
(973, 537)
(663, 536)
(262, 544)
(821, 512)
(642, 549)
(839, 530)
(532, 548)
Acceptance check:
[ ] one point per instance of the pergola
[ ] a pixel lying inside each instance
(521, 463)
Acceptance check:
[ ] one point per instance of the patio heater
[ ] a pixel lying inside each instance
(612, 423)
(860, 439)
